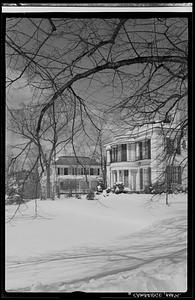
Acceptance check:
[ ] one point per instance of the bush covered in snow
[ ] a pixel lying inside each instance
(90, 195)
(159, 188)
(70, 194)
(118, 187)
(14, 192)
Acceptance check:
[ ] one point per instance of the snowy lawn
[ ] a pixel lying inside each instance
(123, 242)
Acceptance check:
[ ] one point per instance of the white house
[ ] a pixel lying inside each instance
(139, 158)
(73, 174)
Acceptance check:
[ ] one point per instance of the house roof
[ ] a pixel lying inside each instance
(145, 130)
(79, 160)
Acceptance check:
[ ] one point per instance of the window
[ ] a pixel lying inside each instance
(62, 185)
(184, 145)
(178, 146)
(91, 171)
(143, 150)
(114, 176)
(147, 149)
(173, 174)
(137, 154)
(75, 171)
(126, 172)
(132, 152)
(60, 171)
(86, 171)
(147, 177)
(120, 176)
(114, 154)
(140, 150)
(98, 171)
(170, 146)
(119, 153)
(65, 171)
(111, 155)
(173, 145)
(124, 152)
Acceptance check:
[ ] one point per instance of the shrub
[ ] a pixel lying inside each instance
(108, 190)
(78, 196)
(90, 195)
(147, 190)
(69, 194)
(157, 188)
(14, 193)
(118, 188)
(177, 188)
(14, 199)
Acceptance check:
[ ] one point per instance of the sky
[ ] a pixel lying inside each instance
(100, 91)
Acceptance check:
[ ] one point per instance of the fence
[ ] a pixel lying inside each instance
(76, 186)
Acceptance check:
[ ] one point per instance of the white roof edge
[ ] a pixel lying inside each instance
(131, 135)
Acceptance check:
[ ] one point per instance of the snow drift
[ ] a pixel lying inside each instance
(125, 243)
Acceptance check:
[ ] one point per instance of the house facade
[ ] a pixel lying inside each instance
(70, 174)
(147, 155)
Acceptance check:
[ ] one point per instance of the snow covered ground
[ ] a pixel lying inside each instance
(119, 243)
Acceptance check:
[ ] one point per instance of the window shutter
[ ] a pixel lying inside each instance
(149, 148)
(149, 176)
(75, 171)
(168, 175)
(133, 152)
(141, 150)
(124, 152)
(111, 154)
(170, 146)
(179, 175)
(141, 179)
(137, 150)
(116, 153)
(184, 144)
(119, 154)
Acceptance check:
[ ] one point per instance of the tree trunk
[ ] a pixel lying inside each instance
(167, 197)
(48, 182)
(104, 173)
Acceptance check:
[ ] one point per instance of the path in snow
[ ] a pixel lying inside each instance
(144, 256)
